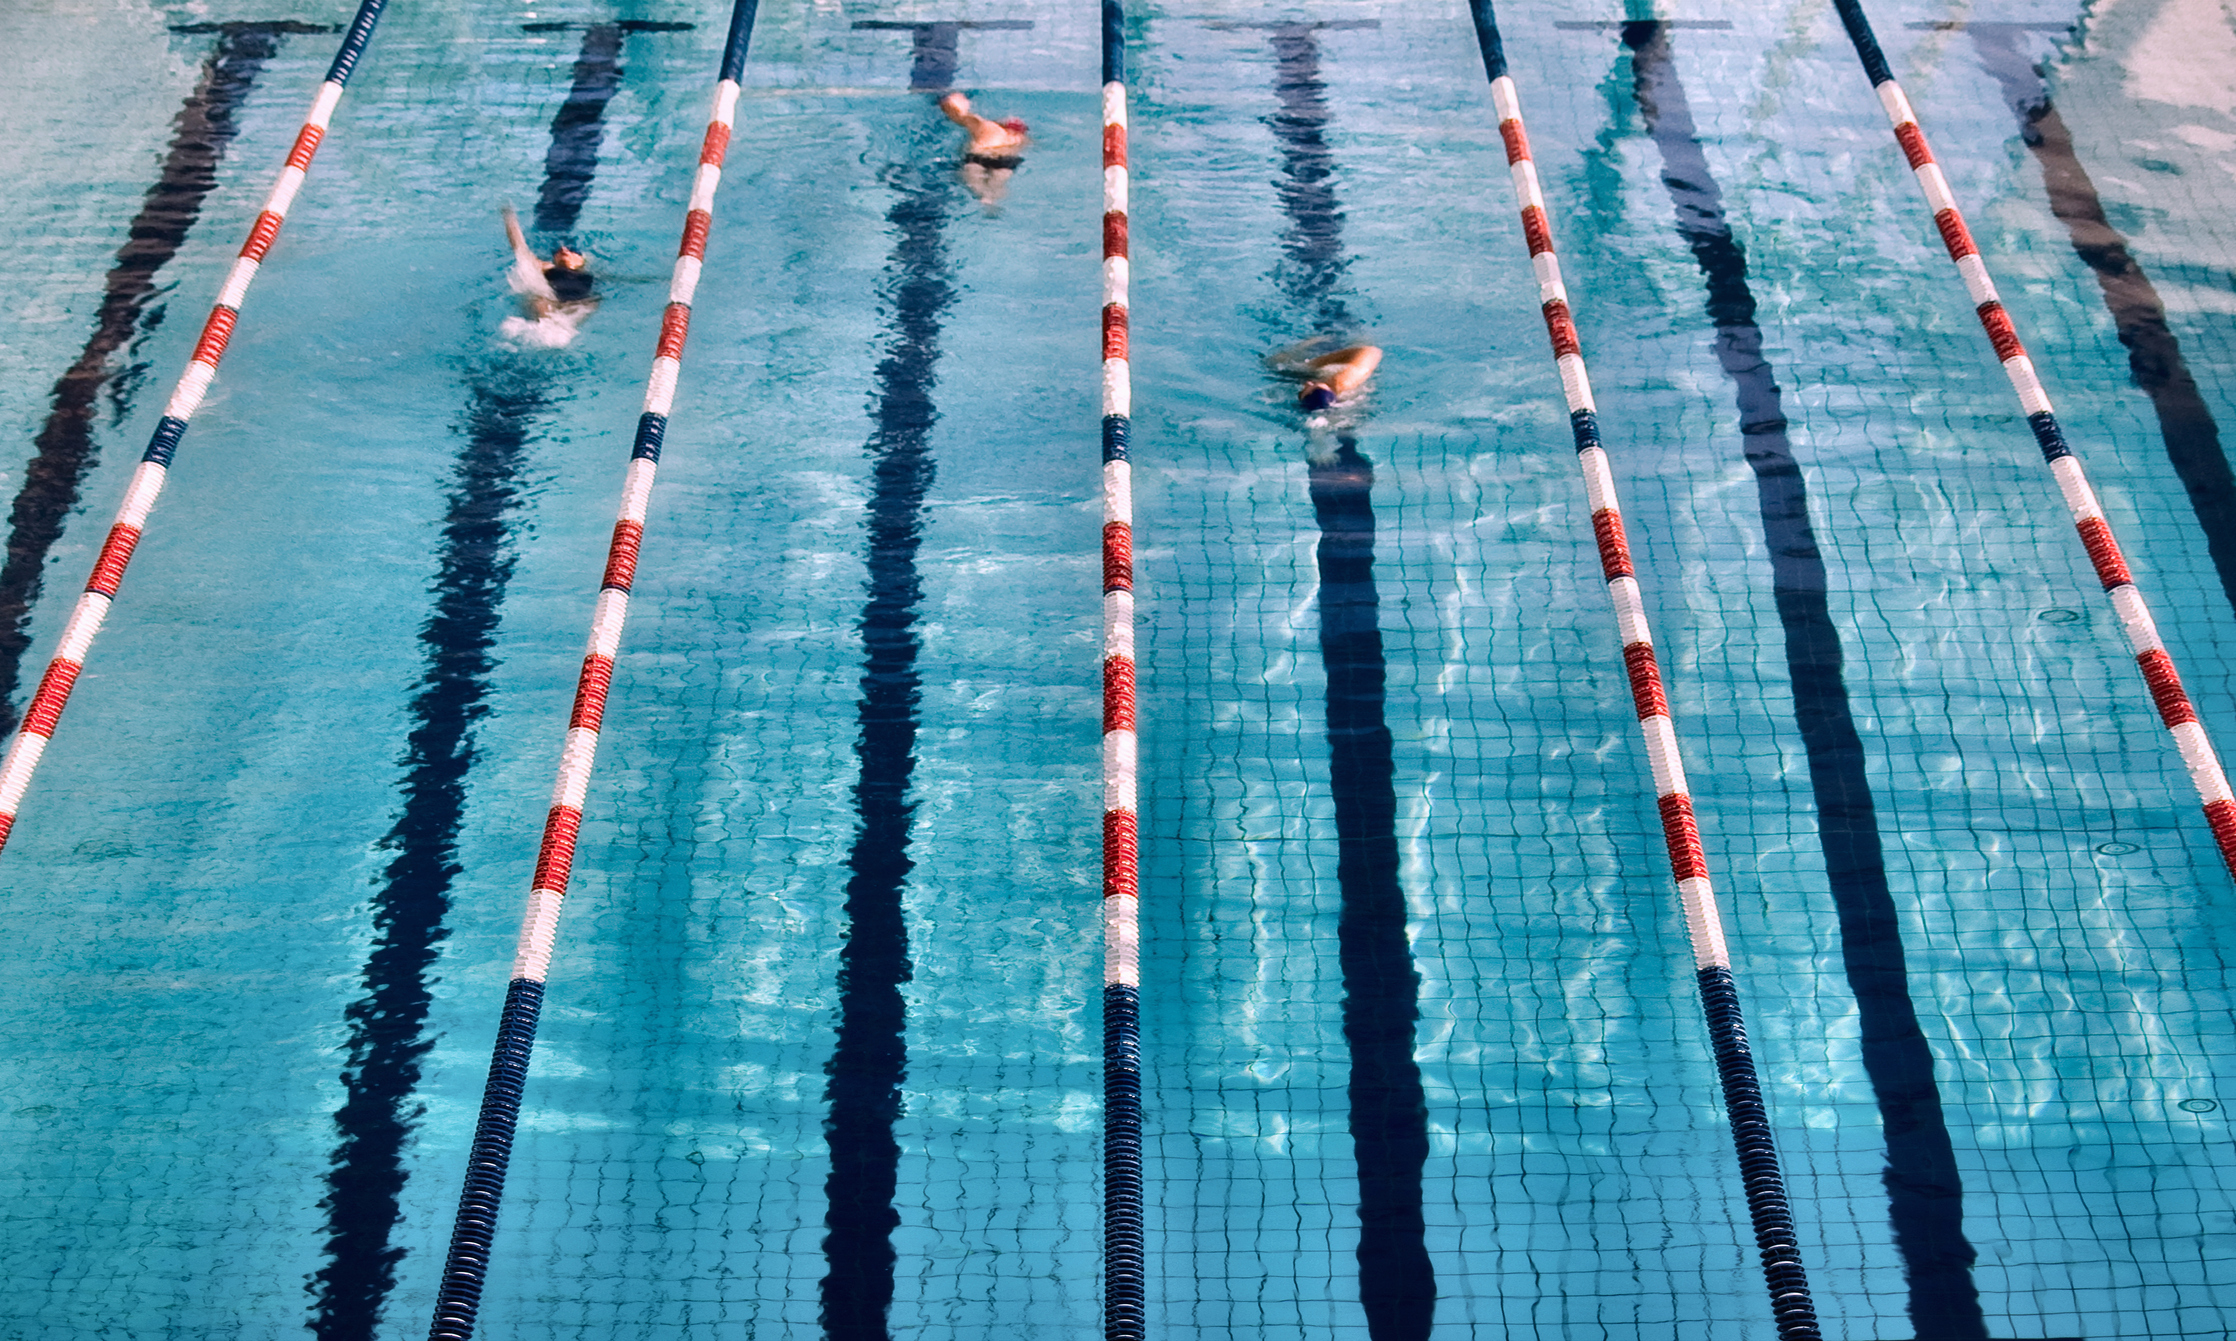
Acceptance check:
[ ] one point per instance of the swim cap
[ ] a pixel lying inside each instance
(1316, 397)
(1016, 124)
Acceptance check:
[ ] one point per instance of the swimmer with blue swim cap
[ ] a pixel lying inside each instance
(1330, 381)
(1332, 377)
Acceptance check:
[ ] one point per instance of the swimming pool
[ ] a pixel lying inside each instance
(267, 881)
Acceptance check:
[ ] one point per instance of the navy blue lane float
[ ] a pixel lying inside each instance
(466, 1267)
(1767, 1203)
(2151, 657)
(40, 717)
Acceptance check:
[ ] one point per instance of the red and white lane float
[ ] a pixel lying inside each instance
(45, 711)
(465, 1269)
(1791, 1306)
(1125, 1254)
(2172, 701)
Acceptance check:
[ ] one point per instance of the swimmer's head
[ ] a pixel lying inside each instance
(1015, 125)
(1316, 396)
(567, 258)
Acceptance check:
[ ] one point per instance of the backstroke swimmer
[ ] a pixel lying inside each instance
(995, 152)
(1330, 381)
(559, 295)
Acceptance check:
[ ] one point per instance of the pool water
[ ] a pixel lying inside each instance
(265, 888)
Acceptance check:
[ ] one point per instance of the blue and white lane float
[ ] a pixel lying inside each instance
(465, 1270)
(45, 711)
(1767, 1205)
(1125, 1254)
(2172, 701)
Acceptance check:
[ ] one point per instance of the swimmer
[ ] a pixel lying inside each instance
(559, 294)
(995, 152)
(1330, 381)
(1328, 378)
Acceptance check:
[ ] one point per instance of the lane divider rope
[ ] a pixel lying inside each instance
(1924, 1183)
(1767, 1204)
(45, 710)
(465, 1269)
(1125, 1255)
(2167, 693)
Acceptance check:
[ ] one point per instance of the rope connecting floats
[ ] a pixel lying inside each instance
(465, 1269)
(1767, 1203)
(2174, 708)
(1125, 1255)
(46, 706)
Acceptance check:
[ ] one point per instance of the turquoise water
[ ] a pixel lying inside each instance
(191, 881)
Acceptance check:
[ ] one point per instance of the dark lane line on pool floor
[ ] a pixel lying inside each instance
(870, 1059)
(1381, 987)
(386, 1025)
(935, 46)
(2154, 354)
(64, 454)
(578, 128)
(1924, 1188)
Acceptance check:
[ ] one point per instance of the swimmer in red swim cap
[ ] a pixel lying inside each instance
(995, 151)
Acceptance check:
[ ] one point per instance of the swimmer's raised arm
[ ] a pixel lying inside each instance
(957, 108)
(985, 133)
(519, 240)
(526, 276)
